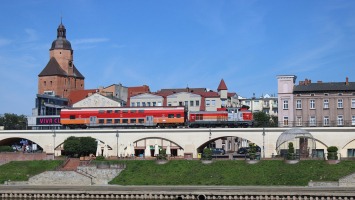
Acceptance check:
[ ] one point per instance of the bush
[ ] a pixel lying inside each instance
(6, 149)
(332, 153)
(162, 155)
(290, 151)
(252, 151)
(207, 154)
(100, 158)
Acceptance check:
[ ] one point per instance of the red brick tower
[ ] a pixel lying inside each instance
(60, 76)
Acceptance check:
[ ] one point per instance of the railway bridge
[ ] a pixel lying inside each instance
(186, 142)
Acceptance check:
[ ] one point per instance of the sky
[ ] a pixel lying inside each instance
(177, 44)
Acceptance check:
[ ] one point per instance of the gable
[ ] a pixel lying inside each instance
(97, 100)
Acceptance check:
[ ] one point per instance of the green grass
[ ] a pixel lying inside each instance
(193, 172)
(264, 173)
(22, 170)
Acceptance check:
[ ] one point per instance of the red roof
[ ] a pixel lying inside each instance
(138, 90)
(78, 95)
(222, 85)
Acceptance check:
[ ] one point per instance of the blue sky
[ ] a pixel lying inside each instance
(174, 44)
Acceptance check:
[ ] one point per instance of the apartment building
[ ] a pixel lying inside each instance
(321, 104)
(266, 103)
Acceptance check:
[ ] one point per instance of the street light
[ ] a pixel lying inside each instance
(117, 136)
(54, 134)
(263, 142)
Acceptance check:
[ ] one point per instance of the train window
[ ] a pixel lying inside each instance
(117, 121)
(170, 115)
(199, 117)
(178, 116)
(101, 121)
(133, 111)
(72, 117)
(141, 121)
(133, 120)
(141, 111)
(125, 121)
(117, 111)
(101, 111)
(109, 111)
(109, 121)
(125, 111)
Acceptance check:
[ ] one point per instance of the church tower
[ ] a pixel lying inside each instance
(60, 76)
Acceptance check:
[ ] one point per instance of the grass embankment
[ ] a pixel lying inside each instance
(187, 172)
(22, 170)
(264, 173)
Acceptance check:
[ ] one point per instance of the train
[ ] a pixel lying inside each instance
(153, 117)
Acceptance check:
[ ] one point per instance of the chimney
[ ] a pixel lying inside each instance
(346, 81)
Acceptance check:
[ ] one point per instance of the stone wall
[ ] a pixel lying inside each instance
(85, 175)
(347, 181)
(6, 157)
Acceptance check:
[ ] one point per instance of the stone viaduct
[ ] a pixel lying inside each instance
(186, 142)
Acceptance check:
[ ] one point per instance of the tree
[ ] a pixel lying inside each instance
(79, 146)
(207, 154)
(290, 151)
(13, 121)
(262, 119)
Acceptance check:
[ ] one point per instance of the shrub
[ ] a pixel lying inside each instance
(332, 153)
(207, 154)
(162, 155)
(100, 158)
(6, 149)
(290, 151)
(252, 151)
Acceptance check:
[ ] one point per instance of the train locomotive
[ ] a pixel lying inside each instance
(153, 117)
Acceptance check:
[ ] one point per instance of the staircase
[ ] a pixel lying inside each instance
(71, 165)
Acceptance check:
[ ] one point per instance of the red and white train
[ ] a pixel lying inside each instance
(132, 117)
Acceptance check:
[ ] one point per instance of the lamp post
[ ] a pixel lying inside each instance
(117, 136)
(263, 142)
(54, 134)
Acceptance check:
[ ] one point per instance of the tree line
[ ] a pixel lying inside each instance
(13, 121)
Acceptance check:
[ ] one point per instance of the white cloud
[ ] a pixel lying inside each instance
(89, 41)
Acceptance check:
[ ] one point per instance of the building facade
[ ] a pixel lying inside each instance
(266, 103)
(320, 104)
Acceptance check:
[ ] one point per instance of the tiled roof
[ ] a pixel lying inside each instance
(177, 90)
(53, 69)
(208, 94)
(222, 86)
(78, 95)
(324, 87)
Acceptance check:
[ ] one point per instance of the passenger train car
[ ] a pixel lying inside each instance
(123, 117)
(224, 117)
(161, 117)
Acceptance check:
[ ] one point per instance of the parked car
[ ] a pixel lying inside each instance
(245, 150)
(218, 151)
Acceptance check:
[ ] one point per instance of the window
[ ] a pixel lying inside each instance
(149, 104)
(312, 121)
(207, 102)
(133, 104)
(170, 115)
(353, 120)
(109, 121)
(45, 83)
(178, 116)
(143, 104)
(285, 121)
(117, 111)
(159, 103)
(140, 111)
(326, 103)
(186, 103)
(213, 103)
(169, 104)
(133, 121)
(340, 120)
(352, 103)
(133, 111)
(109, 111)
(191, 103)
(326, 121)
(197, 103)
(117, 121)
(285, 105)
(298, 104)
(72, 117)
(154, 103)
(340, 103)
(138, 104)
(299, 121)
(125, 111)
(351, 152)
(101, 121)
(101, 111)
(312, 104)
(125, 121)
(140, 121)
